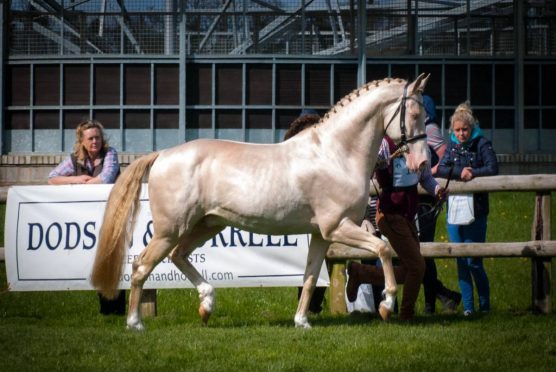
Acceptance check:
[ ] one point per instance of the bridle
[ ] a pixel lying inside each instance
(401, 110)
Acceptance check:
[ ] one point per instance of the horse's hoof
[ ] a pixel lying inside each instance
(205, 315)
(384, 312)
(301, 322)
(138, 327)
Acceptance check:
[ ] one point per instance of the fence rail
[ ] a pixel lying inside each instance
(540, 249)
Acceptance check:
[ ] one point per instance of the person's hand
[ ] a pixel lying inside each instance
(82, 179)
(441, 193)
(466, 174)
(94, 180)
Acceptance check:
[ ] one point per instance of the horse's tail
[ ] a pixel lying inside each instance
(122, 204)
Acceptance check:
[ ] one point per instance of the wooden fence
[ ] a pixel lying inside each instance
(540, 249)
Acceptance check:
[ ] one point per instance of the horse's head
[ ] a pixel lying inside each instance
(405, 123)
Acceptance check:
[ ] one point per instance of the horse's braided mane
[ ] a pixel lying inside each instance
(350, 97)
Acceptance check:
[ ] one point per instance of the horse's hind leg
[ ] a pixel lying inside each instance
(156, 251)
(315, 258)
(350, 234)
(180, 255)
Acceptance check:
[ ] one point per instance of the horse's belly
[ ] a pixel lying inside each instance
(268, 222)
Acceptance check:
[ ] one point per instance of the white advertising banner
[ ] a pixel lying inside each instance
(51, 234)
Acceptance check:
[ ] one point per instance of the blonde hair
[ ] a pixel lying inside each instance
(463, 113)
(78, 150)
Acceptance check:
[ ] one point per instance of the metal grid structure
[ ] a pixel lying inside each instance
(294, 27)
(158, 73)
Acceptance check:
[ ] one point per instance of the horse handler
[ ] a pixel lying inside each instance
(395, 217)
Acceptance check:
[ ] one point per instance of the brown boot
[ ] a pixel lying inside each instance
(359, 274)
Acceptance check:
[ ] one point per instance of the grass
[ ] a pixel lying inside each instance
(252, 328)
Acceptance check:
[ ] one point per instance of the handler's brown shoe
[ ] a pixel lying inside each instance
(353, 281)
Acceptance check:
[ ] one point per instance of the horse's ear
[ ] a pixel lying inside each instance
(418, 86)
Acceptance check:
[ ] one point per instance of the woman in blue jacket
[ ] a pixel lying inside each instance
(471, 155)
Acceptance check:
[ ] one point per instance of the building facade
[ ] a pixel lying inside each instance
(159, 73)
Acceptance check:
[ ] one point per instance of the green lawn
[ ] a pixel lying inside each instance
(252, 328)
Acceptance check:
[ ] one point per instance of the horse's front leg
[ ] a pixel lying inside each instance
(315, 258)
(350, 234)
(155, 251)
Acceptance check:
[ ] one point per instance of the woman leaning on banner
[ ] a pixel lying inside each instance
(92, 161)
(471, 155)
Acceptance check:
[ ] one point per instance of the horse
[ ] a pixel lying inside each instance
(316, 182)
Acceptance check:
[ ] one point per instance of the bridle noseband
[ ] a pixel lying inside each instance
(401, 110)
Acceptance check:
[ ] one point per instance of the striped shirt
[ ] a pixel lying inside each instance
(110, 167)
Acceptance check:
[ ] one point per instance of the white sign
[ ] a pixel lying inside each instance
(51, 234)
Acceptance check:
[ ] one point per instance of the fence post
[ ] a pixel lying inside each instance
(148, 302)
(337, 289)
(541, 267)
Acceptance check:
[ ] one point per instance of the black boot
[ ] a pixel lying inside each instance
(449, 299)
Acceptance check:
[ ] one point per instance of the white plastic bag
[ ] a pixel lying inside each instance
(365, 302)
(460, 209)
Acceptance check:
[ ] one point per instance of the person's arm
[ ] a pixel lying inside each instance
(428, 182)
(437, 142)
(110, 168)
(63, 174)
(490, 163)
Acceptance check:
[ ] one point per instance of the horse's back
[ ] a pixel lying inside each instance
(240, 184)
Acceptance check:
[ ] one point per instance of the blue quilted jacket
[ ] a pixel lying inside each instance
(476, 153)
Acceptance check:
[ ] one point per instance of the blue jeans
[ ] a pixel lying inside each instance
(471, 268)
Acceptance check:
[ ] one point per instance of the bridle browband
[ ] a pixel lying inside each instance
(401, 110)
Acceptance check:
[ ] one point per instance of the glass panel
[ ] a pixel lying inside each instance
(17, 120)
(259, 119)
(18, 86)
(76, 84)
(531, 118)
(166, 119)
(259, 84)
(228, 119)
(505, 119)
(46, 120)
(284, 118)
(405, 71)
(107, 85)
(199, 84)
(484, 117)
(47, 85)
(345, 80)
(549, 120)
(548, 86)
(481, 87)
(137, 119)
(199, 119)
(434, 84)
(456, 84)
(110, 119)
(288, 84)
(317, 85)
(377, 72)
(167, 85)
(531, 84)
(504, 84)
(73, 117)
(229, 85)
(137, 85)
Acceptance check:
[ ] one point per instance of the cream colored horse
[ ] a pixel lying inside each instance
(317, 182)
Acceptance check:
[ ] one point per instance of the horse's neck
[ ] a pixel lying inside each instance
(357, 129)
